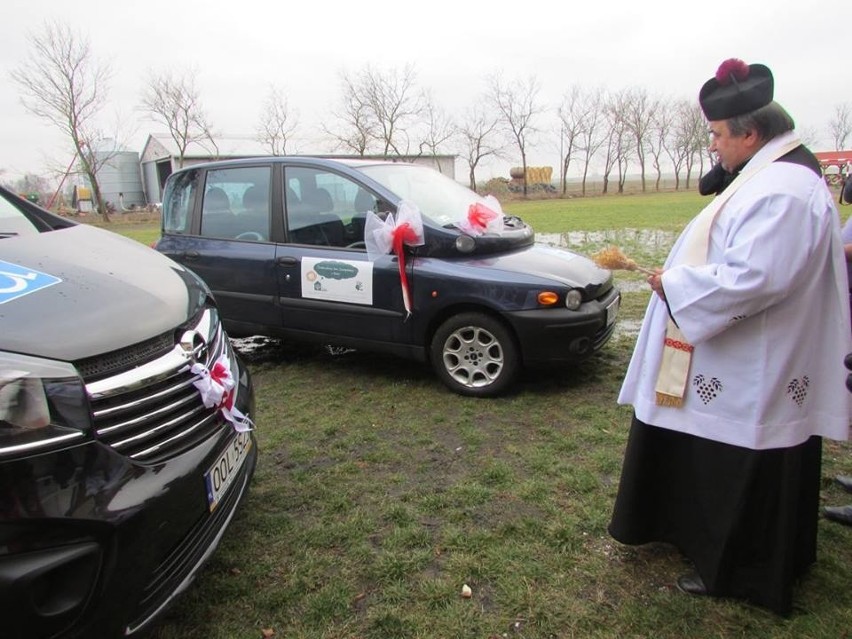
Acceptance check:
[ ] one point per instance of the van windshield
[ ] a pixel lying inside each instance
(440, 198)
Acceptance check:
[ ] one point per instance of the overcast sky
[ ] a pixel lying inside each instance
(239, 49)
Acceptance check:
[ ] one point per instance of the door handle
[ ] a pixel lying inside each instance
(287, 261)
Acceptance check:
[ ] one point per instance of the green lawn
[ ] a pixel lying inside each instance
(379, 494)
(143, 227)
(669, 211)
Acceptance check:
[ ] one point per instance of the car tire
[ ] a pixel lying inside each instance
(475, 354)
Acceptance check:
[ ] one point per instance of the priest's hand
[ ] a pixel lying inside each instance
(655, 281)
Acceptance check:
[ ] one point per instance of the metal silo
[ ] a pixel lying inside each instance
(120, 178)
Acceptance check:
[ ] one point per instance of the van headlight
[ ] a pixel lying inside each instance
(573, 299)
(43, 403)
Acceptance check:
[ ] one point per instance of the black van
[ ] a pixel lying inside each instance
(119, 470)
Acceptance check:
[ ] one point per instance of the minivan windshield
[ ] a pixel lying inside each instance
(440, 198)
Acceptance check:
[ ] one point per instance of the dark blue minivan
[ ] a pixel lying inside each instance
(384, 256)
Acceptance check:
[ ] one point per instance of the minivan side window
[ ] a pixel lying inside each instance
(325, 208)
(236, 204)
(178, 202)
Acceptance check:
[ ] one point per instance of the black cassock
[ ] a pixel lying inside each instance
(747, 519)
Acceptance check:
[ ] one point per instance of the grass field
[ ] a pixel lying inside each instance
(379, 495)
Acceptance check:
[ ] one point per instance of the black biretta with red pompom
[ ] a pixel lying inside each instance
(737, 88)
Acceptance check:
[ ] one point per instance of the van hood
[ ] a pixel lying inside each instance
(82, 291)
(567, 267)
(551, 264)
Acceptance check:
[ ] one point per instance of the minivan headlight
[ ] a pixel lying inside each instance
(573, 299)
(43, 403)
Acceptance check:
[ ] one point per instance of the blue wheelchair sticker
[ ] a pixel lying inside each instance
(17, 281)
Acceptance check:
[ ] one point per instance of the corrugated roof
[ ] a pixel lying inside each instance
(225, 146)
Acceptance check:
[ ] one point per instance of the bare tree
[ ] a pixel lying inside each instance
(638, 117)
(610, 154)
(174, 101)
(572, 118)
(695, 137)
(590, 136)
(394, 104)
(62, 83)
(681, 144)
(439, 128)
(619, 142)
(662, 121)
(359, 128)
(841, 125)
(517, 103)
(379, 107)
(477, 131)
(277, 123)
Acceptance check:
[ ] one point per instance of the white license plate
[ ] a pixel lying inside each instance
(223, 472)
(612, 310)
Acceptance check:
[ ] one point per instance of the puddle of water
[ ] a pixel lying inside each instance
(648, 247)
(632, 286)
(627, 328)
(259, 348)
(651, 239)
(249, 345)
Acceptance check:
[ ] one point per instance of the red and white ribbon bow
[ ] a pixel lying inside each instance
(393, 234)
(483, 218)
(216, 386)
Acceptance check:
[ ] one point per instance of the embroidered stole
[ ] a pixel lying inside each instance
(677, 351)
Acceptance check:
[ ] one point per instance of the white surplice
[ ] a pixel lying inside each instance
(768, 316)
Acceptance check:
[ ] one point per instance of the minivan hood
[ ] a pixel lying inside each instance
(112, 292)
(553, 263)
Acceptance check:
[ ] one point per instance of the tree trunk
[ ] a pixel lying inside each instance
(96, 193)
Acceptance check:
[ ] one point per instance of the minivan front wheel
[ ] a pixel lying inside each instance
(474, 354)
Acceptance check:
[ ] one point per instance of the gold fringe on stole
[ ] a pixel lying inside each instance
(669, 401)
(674, 368)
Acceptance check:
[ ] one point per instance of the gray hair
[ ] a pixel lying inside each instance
(768, 122)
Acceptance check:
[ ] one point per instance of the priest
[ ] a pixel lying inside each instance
(738, 372)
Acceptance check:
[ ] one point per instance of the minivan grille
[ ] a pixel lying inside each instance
(184, 557)
(153, 412)
(95, 368)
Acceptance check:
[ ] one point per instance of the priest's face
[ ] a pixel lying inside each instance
(732, 150)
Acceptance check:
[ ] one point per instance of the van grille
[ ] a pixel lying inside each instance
(184, 558)
(101, 366)
(153, 412)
